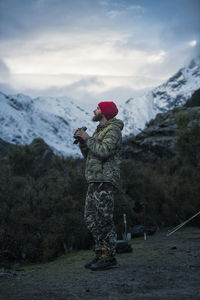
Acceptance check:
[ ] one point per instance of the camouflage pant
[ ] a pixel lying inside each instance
(99, 208)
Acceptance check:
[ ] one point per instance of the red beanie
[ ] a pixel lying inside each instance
(109, 109)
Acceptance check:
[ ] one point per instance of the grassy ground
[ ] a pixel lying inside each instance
(159, 268)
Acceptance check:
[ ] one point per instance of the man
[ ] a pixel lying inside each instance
(102, 152)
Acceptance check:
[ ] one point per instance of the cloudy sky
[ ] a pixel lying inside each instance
(94, 48)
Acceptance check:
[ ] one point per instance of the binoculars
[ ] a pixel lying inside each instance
(78, 139)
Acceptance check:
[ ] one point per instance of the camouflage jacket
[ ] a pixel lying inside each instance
(103, 153)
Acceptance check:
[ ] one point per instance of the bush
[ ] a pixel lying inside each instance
(41, 213)
(42, 217)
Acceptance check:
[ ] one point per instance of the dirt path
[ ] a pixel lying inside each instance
(159, 268)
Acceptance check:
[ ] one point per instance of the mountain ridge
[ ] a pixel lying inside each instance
(174, 92)
(55, 119)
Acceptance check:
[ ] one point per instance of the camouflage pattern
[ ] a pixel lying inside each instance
(103, 153)
(99, 208)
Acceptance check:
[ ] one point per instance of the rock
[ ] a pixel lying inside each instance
(173, 248)
(194, 100)
(158, 139)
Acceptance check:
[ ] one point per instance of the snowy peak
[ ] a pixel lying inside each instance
(18, 102)
(174, 92)
(53, 119)
(179, 88)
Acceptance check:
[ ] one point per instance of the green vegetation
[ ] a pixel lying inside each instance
(41, 213)
(42, 195)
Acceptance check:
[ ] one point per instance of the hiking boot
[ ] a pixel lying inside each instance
(104, 264)
(94, 260)
(91, 262)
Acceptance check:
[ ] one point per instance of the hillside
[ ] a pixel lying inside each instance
(173, 93)
(23, 119)
(158, 139)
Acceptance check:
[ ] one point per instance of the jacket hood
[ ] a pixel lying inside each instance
(112, 122)
(116, 122)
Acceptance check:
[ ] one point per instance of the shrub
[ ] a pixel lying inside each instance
(41, 213)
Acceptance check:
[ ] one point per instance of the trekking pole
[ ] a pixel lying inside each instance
(181, 225)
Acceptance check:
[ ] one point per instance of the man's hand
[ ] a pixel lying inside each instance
(82, 134)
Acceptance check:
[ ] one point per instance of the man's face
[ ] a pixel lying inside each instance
(97, 115)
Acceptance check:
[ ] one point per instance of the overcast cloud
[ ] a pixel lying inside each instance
(92, 48)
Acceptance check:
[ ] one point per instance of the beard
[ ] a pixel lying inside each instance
(97, 118)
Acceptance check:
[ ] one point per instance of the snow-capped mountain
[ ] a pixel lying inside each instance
(175, 92)
(55, 119)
